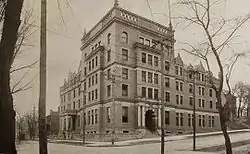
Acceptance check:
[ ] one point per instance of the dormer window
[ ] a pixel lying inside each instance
(125, 37)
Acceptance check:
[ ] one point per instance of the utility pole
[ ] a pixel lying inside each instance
(193, 72)
(162, 93)
(112, 77)
(162, 100)
(42, 96)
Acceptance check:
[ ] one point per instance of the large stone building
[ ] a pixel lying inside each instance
(120, 66)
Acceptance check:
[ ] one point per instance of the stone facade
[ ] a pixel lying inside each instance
(121, 45)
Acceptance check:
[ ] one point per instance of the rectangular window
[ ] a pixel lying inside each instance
(143, 57)
(212, 121)
(124, 90)
(190, 88)
(191, 101)
(181, 119)
(176, 70)
(203, 120)
(89, 81)
(89, 65)
(108, 55)
(79, 91)
(199, 120)
(89, 96)
(84, 86)
(108, 90)
(88, 117)
(96, 61)
(96, 78)
(167, 95)
(181, 100)
(143, 76)
(167, 121)
(93, 63)
(190, 120)
(199, 102)
(177, 85)
(156, 78)
(211, 104)
(177, 99)
(96, 94)
(84, 99)
(199, 90)
(125, 114)
(74, 105)
(96, 117)
(74, 93)
(181, 86)
(108, 115)
(93, 80)
(93, 95)
(156, 93)
(202, 77)
(124, 73)
(150, 93)
(177, 119)
(190, 75)
(156, 61)
(125, 54)
(203, 103)
(167, 82)
(203, 91)
(167, 66)
(150, 59)
(143, 91)
(211, 92)
(150, 77)
(92, 117)
(209, 121)
(181, 71)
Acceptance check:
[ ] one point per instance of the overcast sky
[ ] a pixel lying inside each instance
(65, 30)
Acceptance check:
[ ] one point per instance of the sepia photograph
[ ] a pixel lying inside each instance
(125, 77)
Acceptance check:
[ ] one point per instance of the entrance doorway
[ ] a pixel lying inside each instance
(150, 120)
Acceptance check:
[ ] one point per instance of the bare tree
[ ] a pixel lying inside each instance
(219, 34)
(241, 91)
(32, 124)
(25, 33)
(10, 19)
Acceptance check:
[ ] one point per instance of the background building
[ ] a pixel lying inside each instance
(118, 83)
(52, 121)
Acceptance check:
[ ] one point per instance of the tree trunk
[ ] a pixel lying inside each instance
(239, 108)
(225, 134)
(7, 47)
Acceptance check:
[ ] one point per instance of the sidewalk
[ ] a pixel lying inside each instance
(145, 140)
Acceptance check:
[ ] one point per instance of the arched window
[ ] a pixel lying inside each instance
(125, 37)
(109, 38)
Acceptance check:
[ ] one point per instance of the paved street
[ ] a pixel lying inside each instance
(172, 146)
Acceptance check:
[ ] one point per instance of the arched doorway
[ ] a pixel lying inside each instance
(150, 120)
